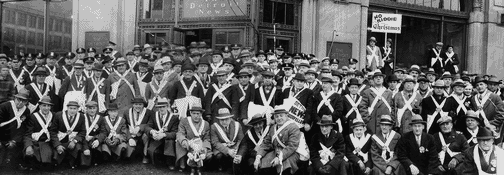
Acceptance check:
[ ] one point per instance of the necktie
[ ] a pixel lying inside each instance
(353, 97)
(136, 117)
(71, 119)
(418, 140)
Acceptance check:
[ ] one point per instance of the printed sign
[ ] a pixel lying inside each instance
(386, 23)
(214, 8)
(296, 110)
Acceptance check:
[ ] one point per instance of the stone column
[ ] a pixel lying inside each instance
(308, 22)
(476, 59)
(363, 35)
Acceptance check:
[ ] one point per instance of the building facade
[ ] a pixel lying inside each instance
(23, 30)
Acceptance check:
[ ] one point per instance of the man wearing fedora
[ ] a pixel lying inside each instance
(472, 123)
(226, 135)
(481, 158)
(95, 134)
(124, 86)
(373, 55)
(37, 145)
(97, 88)
(416, 150)
(245, 91)
(424, 87)
(383, 149)
(68, 134)
(162, 129)
(74, 86)
(137, 119)
(157, 88)
(455, 105)
(13, 113)
(329, 103)
(327, 148)
(351, 103)
(494, 86)
(357, 152)
(376, 101)
(448, 79)
(435, 60)
(278, 152)
(432, 107)
(254, 137)
(304, 96)
(221, 94)
(490, 108)
(193, 141)
(449, 144)
(39, 88)
(405, 102)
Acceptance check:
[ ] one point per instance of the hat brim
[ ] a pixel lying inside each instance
(256, 120)
(485, 137)
(224, 116)
(325, 124)
(21, 97)
(386, 123)
(48, 103)
(357, 125)
(433, 86)
(299, 79)
(418, 122)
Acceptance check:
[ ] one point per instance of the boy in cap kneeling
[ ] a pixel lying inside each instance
(37, 137)
(358, 145)
(450, 144)
(95, 134)
(116, 133)
(226, 135)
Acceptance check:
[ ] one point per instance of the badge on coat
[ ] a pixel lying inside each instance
(423, 150)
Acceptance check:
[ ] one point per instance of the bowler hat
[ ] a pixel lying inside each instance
(299, 77)
(188, 67)
(112, 106)
(223, 113)
(326, 120)
(417, 119)
(353, 81)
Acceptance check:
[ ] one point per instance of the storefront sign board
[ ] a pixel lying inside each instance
(386, 23)
(214, 8)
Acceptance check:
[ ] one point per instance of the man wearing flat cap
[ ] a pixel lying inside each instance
(221, 94)
(405, 102)
(358, 146)
(95, 134)
(455, 105)
(416, 150)
(73, 87)
(137, 118)
(124, 86)
(193, 140)
(327, 148)
(39, 88)
(383, 149)
(187, 92)
(435, 60)
(376, 101)
(432, 107)
(483, 158)
(37, 145)
(490, 108)
(68, 134)
(13, 114)
(226, 135)
(278, 152)
(449, 144)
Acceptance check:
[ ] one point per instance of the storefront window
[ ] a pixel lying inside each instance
(455, 5)
(155, 38)
(226, 37)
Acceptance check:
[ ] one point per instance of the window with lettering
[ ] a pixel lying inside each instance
(278, 12)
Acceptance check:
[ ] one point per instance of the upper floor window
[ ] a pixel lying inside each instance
(278, 12)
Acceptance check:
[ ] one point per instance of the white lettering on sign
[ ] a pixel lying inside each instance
(203, 8)
(386, 23)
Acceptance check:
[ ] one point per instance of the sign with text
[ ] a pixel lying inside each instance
(97, 39)
(386, 23)
(296, 110)
(340, 51)
(214, 8)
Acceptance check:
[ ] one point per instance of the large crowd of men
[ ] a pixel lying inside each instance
(249, 112)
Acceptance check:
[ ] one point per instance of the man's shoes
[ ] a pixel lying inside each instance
(198, 171)
(193, 171)
(145, 160)
(171, 167)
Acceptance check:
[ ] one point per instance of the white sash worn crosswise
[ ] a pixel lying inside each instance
(385, 146)
(261, 138)
(32, 107)
(205, 89)
(219, 92)
(448, 150)
(188, 91)
(17, 115)
(437, 58)
(113, 127)
(266, 102)
(373, 57)
(197, 133)
(89, 128)
(100, 96)
(115, 86)
(225, 137)
(477, 160)
(295, 95)
(354, 107)
(17, 80)
(325, 154)
(439, 107)
(449, 57)
(326, 101)
(70, 129)
(460, 103)
(359, 144)
(407, 106)
(277, 131)
(480, 104)
(165, 124)
(473, 135)
(243, 92)
(379, 97)
(44, 125)
(69, 73)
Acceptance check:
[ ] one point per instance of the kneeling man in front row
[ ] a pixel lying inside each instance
(226, 135)
(327, 149)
